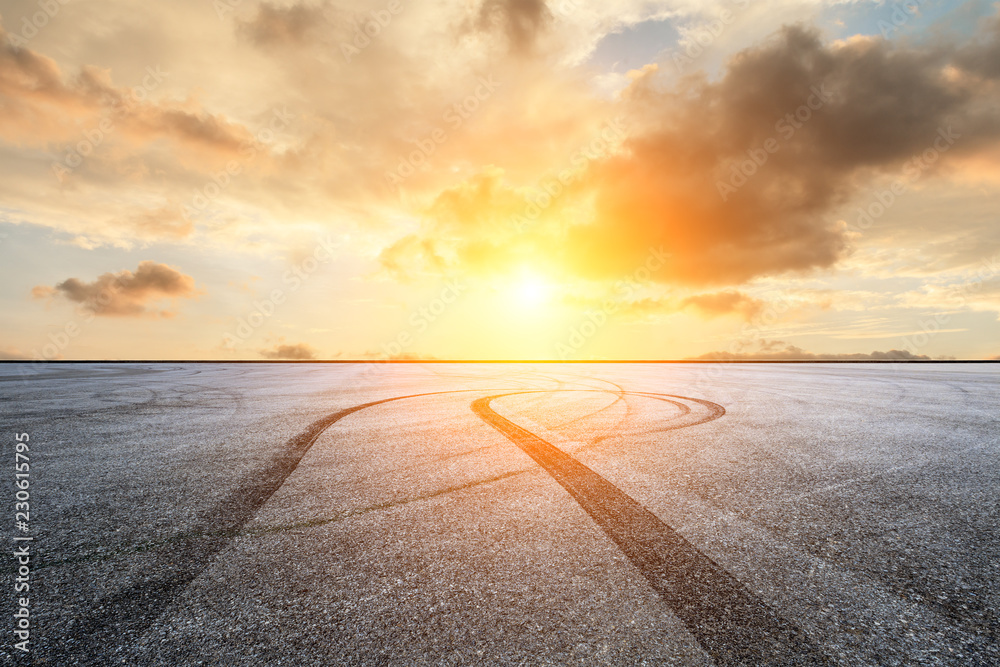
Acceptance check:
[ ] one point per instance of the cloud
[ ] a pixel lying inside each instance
(146, 225)
(725, 303)
(276, 25)
(622, 308)
(776, 350)
(35, 97)
(125, 294)
(165, 222)
(296, 352)
(709, 305)
(44, 107)
(983, 57)
(176, 143)
(490, 163)
(976, 290)
(12, 354)
(520, 21)
(408, 255)
(402, 356)
(738, 177)
(482, 224)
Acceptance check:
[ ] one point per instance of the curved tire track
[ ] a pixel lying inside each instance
(730, 622)
(122, 617)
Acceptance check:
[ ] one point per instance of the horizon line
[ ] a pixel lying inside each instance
(499, 361)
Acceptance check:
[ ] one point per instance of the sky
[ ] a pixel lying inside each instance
(499, 179)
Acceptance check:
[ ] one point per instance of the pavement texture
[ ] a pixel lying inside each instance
(399, 514)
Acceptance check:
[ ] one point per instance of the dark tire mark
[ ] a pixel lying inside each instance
(619, 391)
(121, 618)
(684, 410)
(732, 624)
(714, 409)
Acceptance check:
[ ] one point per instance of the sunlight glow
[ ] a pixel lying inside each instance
(530, 290)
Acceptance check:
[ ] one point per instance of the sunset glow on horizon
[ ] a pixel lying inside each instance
(500, 179)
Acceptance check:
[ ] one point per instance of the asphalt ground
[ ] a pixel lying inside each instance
(842, 514)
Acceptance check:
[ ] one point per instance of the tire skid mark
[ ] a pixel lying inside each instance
(619, 398)
(684, 411)
(619, 392)
(624, 418)
(389, 504)
(733, 625)
(121, 618)
(131, 611)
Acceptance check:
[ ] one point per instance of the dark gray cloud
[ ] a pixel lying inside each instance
(125, 293)
(274, 25)
(738, 177)
(520, 21)
(296, 352)
(776, 350)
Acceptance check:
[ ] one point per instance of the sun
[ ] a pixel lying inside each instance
(530, 290)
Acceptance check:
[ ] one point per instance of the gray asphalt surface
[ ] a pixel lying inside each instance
(311, 514)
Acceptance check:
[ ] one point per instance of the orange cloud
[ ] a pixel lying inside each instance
(43, 107)
(725, 303)
(12, 354)
(166, 222)
(736, 178)
(482, 224)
